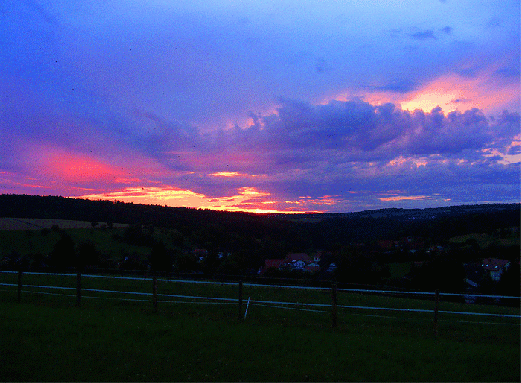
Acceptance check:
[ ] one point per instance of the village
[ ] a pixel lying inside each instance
(401, 263)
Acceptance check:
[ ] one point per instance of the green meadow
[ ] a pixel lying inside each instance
(26, 242)
(120, 337)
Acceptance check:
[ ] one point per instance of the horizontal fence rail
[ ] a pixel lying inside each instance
(262, 302)
(190, 281)
(198, 299)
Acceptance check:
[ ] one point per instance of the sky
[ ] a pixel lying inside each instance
(262, 106)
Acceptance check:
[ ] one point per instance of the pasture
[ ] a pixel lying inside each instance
(118, 336)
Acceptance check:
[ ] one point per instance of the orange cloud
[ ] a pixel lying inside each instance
(452, 92)
(226, 174)
(404, 198)
(248, 199)
(234, 174)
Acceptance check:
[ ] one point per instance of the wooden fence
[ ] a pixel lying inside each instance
(332, 306)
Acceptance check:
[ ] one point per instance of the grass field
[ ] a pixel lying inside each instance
(37, 224)
(47, 338)
(485, 240)
(26, 242)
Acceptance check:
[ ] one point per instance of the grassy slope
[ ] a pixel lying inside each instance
(37, 224)
(48, 339)
(30, 242)
(484, 240)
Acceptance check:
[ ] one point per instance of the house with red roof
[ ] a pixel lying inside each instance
(292, 261)
(297, 261)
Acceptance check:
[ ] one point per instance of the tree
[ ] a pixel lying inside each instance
(509, 283)
(63, 254)
(87, 255)
(355, 266)
(185, 263)
(160, 260)
(135, 235)
(442, 273)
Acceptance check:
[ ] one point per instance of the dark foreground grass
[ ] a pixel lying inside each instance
(55, 341)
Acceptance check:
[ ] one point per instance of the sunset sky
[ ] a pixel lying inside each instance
(263, 106)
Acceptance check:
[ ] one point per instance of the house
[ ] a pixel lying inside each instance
(297, 261)
(294, 257)
(298, 265)
(293, 261)
(495, 267)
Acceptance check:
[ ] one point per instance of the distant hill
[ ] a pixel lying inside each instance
(279, 232)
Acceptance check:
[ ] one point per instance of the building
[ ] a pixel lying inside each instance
(495, 267)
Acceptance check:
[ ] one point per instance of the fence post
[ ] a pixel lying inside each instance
(19, 285)
(78, 288)
(240, 299)
(154, 290)
(436, 308)
(334, 305)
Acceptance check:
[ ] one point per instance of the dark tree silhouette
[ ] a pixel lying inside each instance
(442, 273)
(63, 255)
(87, 255)
(160, 260)
(509, 284)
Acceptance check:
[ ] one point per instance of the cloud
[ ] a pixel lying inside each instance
(510, 71)
(423, 35)
(399, 86)
(403, 198)
(358, 127)
(317, 150)
(316, 142)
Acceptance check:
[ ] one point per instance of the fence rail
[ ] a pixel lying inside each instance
(333, 306)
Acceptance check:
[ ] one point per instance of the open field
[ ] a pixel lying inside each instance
(108, 339)
(37, 224)
(26, 242)
(484, 240)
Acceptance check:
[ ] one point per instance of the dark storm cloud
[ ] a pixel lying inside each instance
(357, 126)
